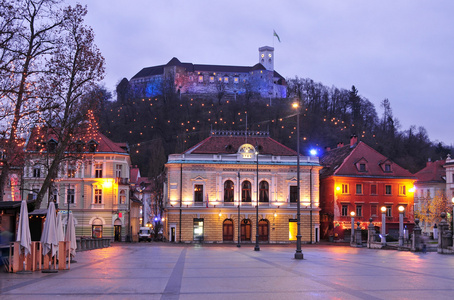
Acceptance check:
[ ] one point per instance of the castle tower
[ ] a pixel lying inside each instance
(266, 57)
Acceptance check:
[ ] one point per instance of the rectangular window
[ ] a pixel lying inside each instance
(198, 229)
(387, 168)
(226, 79)
(36, 172)
(198, 193)
(98, 170)
(373, 189)
(389, 210)
(373, 210)
(211, 79)
(402, 190)
(359, 189)
(70, 195)
(71, 171)
(200, 78)
(345, 188)
(362, 167)
(98, 196)
(344, 210)
(359, 210)
(388, 190)
(118, 171)
(235, 80)
(122, 197)
(293, 194)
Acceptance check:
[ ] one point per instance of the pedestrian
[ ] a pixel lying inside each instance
(424, 247)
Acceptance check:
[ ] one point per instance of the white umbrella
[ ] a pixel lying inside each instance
(60, 234)
(71, 234)
(23, 232)
(49, 239)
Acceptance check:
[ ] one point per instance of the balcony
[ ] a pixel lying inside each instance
(213, 203)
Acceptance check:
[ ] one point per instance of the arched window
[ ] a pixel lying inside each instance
(122, 197)
(228, 191)
(264, 191)
(246, 191)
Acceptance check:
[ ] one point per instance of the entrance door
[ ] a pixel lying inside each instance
(117, 237)
(227, 230)
(263, 230)
(246, 230)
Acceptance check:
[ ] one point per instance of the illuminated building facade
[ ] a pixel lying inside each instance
(93, 182)
(212, 80)
(212, 189)
(356, 178)
(431, 183)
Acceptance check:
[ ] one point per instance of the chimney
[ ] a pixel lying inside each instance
(327, 149)
(429, 162)
(353, 140)
(340, 145)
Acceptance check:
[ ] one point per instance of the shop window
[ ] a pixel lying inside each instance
(96, 231)
(198, 229)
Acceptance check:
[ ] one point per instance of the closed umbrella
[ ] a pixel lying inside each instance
(71, 235)
(49, 238)
(23, 232)
(60, 234)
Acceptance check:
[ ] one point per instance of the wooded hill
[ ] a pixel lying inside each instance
(159, 126)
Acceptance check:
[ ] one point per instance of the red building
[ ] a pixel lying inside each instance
(356, 178)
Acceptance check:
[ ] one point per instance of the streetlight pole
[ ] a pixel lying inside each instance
(257, 247)
(239, 202)
(383, 225)
(401, 225)
(298, 253)
(352, 239)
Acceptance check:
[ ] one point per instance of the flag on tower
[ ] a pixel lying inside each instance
(275, 34)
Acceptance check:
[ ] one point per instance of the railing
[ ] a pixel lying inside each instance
(213, 203)
(122, 181)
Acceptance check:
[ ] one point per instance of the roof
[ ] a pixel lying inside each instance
(229, 144)
(343, 162)
(40, 136)
(433, 172)
(134, 175)
(159, 70)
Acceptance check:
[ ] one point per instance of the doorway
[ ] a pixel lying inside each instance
(227, 230)
(246, 230)
(172, 233)
(264, 230)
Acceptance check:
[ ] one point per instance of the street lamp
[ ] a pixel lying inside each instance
(239, 202)
(401, 225)
(257, 247)
(383, 225)
(298, 253)
(352, 214)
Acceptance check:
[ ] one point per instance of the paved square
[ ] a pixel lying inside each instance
(165, 271)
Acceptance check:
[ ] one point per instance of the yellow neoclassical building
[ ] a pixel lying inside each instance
(212, 189)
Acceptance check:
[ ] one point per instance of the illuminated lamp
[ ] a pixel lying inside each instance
(313, 152)
(401, 209)
(107, 184)
(352, 214)
(383, 209)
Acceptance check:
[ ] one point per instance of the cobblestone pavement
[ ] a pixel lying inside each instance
(165, 271)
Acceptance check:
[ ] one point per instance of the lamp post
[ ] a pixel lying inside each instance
(298, 253)
(352, 239)
(383, 225)
(401, 225)
(239, 202)
(257, 247)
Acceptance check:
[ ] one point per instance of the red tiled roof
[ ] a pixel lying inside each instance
(342, 161)
(231, 144)
(433, 172)
(134, 175)
(40, 136)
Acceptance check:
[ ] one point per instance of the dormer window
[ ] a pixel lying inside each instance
(361, 165)
(387, 168)
(79, 146)
(52, 146)
(92, 146)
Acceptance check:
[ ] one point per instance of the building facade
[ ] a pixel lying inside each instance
(356, 178)
(92, 183)
(212, 189)
(212, 80)
(431, 183)
(449, 167)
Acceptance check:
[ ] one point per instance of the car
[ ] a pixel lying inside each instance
(145, 234)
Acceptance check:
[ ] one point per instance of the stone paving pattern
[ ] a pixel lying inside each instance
(166, 271)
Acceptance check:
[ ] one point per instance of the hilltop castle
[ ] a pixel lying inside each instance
(219, 81)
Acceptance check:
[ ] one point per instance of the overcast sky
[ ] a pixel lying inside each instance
(400, 50)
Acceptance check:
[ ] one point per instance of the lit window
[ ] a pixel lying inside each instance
(71, 171)
(200, 78)
(198, 193)
(122, 197)
(236, 80)
(211, 79)
(345, 188)
(226, 79)
(402, 190)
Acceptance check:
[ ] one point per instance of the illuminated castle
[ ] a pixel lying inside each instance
(217, 81)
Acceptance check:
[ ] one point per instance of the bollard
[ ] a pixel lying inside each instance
(370, 234)
(444, 235)
(358, 238)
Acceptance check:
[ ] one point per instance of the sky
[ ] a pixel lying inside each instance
(402, 50)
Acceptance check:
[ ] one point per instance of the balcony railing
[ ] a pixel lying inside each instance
(122, 181)
(214, 203)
